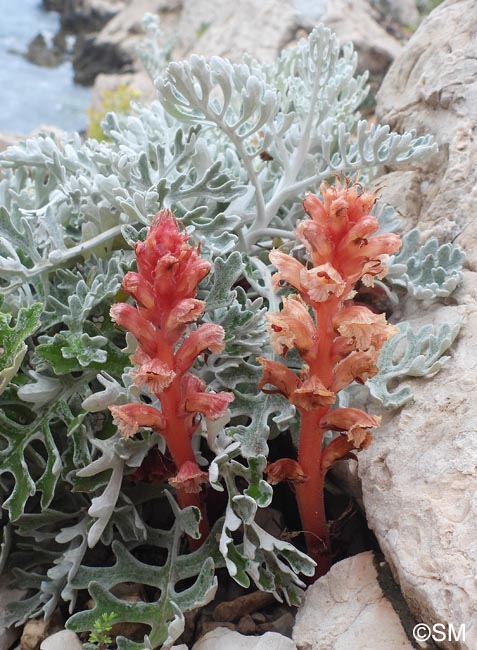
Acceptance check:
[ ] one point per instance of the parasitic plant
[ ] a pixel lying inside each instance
(164, 288)
(338, 340)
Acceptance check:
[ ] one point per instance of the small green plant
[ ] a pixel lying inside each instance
(99, 635)
(115, 101)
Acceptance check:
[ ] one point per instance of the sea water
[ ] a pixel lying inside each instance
(32, 96)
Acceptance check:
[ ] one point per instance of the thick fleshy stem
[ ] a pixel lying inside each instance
(312, 510)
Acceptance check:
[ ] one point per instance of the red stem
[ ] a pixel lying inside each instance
(310, 493)
(180, 446)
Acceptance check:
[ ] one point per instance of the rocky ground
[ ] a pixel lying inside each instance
(418, 480)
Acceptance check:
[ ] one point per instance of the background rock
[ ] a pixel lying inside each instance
(112, 50)
(419, 481)
(217, 27)
(404, 12)
(347, 610)
(80, 16)
(355, 21)
(223, 639)
(419, 476)
(432, 87)
(61, 640)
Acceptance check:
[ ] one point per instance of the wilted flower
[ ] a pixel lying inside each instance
(285, 469)
(189, 478)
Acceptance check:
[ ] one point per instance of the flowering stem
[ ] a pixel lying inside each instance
(164, 289)
(310, 493)
(339, 342)
(179, 444)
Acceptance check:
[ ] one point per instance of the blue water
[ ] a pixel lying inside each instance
(33, 96)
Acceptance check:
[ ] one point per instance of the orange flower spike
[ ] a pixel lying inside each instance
(165, 288)
(339, 342)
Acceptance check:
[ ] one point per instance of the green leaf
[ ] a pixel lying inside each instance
(260, 409)
(13, 460)
(159, 614)
(69, 352)
(12, 340)
(410, 353)
(430, 271)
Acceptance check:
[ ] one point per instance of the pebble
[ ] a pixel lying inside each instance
(62, 640)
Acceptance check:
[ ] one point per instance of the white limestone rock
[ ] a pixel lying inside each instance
(354, 21)
(223, 28)
(61, 640)
(419, 480)
(347, 610)
(432, 87)
(419, 476)
(224, 639)
(404, 12)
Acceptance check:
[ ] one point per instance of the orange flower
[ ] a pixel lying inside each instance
(182, 314)
(289, 270)
(212, 405)
(312, 394)
(129, 418)
(355, 422)
(285, 469)
(315, 239)
(321, 282)
(366, 328)
(338, 449)
(357, 366)
(207, 336)
(143, 330)
(189, 478)
(292, 327)
(278, 375)
(152, 373)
